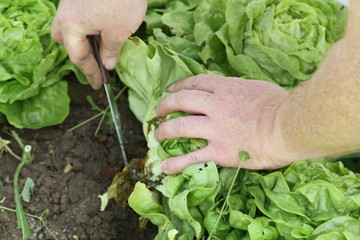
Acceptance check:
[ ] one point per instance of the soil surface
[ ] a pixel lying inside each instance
(72, 198)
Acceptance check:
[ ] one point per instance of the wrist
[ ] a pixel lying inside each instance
(291, 139)
(276, 146)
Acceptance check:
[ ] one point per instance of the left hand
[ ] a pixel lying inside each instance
(232, 114)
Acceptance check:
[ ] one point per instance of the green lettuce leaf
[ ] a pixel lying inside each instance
(148, 70)
(30, 62)
(281, 41)
(286, 39)
(49, 107)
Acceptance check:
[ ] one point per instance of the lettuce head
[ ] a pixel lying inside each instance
(33, 93)
(281, 41)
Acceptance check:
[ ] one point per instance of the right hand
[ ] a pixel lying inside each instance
(113, 20)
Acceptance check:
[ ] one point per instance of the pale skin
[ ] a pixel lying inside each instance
(113, 20)
(319, 118)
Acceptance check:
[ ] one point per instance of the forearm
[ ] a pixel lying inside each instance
(322, 116)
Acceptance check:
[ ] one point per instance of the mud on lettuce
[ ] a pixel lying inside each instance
(33, 93)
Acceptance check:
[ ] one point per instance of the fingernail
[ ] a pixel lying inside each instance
(164, 167)
(171, 87)
(111, 62)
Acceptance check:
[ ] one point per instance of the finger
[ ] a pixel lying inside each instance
(203, 82)
(110, 49)
(189, 101)
(78, 48)
(189, 126)
(176, 165)
(55, 31)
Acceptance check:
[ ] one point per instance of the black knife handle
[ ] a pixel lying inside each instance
(95, 43)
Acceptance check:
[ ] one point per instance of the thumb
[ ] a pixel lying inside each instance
(110, 49)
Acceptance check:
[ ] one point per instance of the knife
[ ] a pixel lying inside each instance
(94, 41)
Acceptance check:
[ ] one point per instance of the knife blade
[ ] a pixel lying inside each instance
(94, 41)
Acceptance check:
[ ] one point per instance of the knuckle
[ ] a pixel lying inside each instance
(195, 82)
(111, 42)
(210, 76)
(113, 37)
(192, 159)
(78, 59)
(120, 38)
(232, 82)
(74, 58)
(179, 126)
(198, 79)
(64, 16)
(181, 98)
(203, 75)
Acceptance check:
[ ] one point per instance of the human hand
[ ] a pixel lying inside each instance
(114, 20)
(232, 114)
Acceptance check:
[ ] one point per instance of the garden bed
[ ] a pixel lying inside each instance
(72, 198)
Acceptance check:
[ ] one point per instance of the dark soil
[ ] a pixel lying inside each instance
(72, 198)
